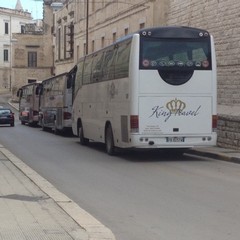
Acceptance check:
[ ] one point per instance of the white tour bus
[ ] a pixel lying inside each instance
(56, 102)
(153, 89)
(28, 104)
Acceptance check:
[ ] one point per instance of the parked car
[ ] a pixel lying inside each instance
(7, 116)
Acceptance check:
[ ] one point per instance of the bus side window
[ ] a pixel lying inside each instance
(97, 73)
(47, 87)
(87, 69)
(30, 93)
(122, 60)
(108, 66)
(77, 83)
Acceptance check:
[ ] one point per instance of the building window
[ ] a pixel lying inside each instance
(103, 42)
(126, 31)
(85, 48)
(6, 28)
(22, 29)
(114, 37)
(142, 25)
(93, 45)
(32, 59)
(70, 41)
(5, 55)
(59, 43)
(31, 80)
(65, 42)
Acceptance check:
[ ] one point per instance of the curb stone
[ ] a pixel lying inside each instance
(94, 229)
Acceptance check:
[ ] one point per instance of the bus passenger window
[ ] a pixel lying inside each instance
(122, 59)
(97, 67)
(87, 70)
(108, 66)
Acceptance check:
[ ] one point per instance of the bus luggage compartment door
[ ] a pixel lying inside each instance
(178, 115)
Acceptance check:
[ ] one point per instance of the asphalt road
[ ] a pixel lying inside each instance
(138, 195)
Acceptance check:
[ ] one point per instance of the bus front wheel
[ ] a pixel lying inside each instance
(110, 149)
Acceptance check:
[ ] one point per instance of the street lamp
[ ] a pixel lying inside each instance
(56, 6)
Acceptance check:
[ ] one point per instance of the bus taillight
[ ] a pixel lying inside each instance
(67, 115)
(134, 123)
(214, 122)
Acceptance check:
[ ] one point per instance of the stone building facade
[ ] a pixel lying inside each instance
(33, 61)
(63, 37)
(109, 20)
(80, 28)
(221, 19)
(11, 21)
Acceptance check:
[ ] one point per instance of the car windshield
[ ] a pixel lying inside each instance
(4, 111)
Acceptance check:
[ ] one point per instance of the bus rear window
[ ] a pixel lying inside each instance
(175, 54)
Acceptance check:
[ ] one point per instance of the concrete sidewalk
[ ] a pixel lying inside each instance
(31, 208)
(218, 153)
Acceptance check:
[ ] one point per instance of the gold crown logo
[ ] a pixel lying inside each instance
(175, 106)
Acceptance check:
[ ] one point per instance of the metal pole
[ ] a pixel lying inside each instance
(87, 26)
(10, 57)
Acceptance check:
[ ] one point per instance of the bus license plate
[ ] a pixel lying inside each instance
(175, 139)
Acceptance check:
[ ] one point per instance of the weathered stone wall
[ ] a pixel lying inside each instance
(221, 19)
(229, 131)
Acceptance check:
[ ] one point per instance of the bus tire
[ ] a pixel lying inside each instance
(43, 127)
(109, 141)
(55, 129)
(83, 141)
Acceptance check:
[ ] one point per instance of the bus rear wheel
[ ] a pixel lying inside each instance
(109, 141)
(82, 139)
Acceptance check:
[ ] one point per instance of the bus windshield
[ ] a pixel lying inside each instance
(175, 54)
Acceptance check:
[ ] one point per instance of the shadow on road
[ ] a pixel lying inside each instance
(144, 155)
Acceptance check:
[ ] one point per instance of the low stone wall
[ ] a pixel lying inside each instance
(228, 131)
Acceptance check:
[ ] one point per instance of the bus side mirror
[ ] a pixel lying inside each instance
(71, 77)
(19, 93)
(39, 89)
(70, 80)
